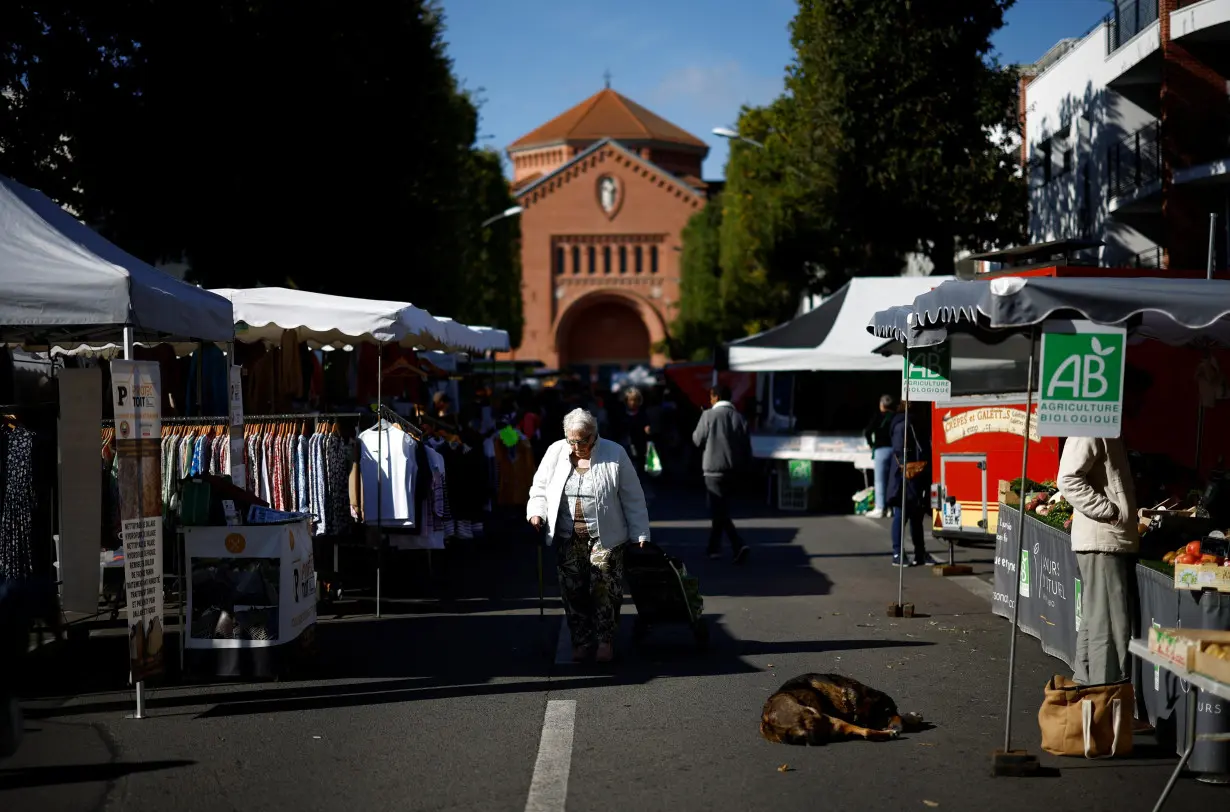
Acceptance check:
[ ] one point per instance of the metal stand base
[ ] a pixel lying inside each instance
(1016, 763)
(952, 569)
(900, 610)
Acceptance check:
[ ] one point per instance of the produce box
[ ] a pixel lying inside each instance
(1180, 646)
(1197, 577)
(1213, 657)
(1006, 496)
(1201, 565)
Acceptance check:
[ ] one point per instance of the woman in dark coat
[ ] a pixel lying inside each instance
(910, 495)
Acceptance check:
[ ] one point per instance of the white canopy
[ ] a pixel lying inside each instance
(834, 336)
(63, 284)
(479, 339)
(335, 321)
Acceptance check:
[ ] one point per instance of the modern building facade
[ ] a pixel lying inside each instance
(1126, 136)
(605, 189)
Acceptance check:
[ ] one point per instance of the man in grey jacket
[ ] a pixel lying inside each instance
(726, 448)
(1096, 478)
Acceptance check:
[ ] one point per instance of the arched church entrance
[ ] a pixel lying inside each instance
(606, 336)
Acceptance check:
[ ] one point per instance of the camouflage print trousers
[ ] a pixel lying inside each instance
(591, 587)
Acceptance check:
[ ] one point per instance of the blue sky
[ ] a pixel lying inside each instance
(694, 62)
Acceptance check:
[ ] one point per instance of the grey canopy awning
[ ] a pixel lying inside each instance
(64, 284)
(1175, 311)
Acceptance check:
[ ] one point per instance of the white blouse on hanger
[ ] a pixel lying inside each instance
(397, 469)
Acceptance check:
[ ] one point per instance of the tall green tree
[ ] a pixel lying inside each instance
(904, 115)
(701, 321)
(749, 255)
(324, 144)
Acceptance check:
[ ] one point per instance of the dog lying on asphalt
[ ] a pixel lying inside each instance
(818, 708)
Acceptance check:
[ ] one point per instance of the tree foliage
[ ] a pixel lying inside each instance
(905, 108)
(324, 145)
(744, 254)
(891, 138)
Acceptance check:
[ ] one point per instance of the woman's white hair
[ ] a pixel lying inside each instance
(582, 421)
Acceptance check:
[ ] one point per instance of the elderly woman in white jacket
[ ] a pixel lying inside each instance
(587, 494)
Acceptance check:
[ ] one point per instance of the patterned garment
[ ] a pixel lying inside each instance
(252, 471)
(591, 585)
(197, 465)
(301, 475)
(17, 511)
(266, 443)
(335, 486)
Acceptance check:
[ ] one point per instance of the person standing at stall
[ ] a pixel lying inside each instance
(880, 440)
(909, 484)
(1096, 479)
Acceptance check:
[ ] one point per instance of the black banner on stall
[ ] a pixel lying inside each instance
(1049, 584)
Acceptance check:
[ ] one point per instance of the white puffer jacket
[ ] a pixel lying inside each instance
(622, 513)
(1095, 476)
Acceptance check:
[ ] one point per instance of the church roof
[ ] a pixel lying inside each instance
(537, 179)
(607, 114)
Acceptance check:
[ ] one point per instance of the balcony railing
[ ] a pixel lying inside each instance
(1129, 18)
(1135, 161)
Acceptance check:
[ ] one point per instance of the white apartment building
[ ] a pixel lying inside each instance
(1126, 135)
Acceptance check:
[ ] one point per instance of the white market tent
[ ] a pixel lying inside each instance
(833, 337)
(323, 320)
(489, 339)
(63, 284)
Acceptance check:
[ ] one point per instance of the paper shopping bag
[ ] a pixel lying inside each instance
(1094, 721)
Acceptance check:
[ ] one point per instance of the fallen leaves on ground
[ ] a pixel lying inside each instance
(785, 768)
(930, 803)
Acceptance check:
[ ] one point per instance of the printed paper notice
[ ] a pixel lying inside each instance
(136, 389)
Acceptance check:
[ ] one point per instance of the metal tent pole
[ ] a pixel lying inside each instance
(1020, 537)
(129, 341)
(379, 466)
(905, 458)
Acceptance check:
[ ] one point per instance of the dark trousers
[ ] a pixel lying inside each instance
(720, 489)
(914, 518)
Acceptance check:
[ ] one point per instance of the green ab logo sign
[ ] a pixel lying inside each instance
(1082, 380)
(928, 374)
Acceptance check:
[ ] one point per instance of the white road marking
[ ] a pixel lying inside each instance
(549, 787)
(563, 649)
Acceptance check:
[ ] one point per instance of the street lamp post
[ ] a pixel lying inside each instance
(733, 135)
(512, 211)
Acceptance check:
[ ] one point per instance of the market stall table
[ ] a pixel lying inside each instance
(1140, 649)
(251, 591)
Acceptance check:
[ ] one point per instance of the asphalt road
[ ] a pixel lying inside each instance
(440, 705)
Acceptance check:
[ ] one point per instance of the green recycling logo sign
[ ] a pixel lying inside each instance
(928, 374)
(1081, 385)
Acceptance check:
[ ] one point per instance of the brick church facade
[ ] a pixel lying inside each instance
(605, 190)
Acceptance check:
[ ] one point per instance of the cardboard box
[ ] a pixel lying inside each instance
(1210, 665)
(1006, 496)
(1174, 645)
(1195, 577)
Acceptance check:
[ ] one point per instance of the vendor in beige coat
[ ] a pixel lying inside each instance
(1096, 478)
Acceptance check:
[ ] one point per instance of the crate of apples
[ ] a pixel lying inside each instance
(1191, 554)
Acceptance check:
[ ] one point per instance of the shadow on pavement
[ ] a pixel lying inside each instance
(80, 773)
(444, 656)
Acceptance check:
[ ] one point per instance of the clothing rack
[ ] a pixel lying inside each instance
(182, 421)
(305, 416)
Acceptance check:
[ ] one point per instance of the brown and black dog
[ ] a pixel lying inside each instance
(817, 708)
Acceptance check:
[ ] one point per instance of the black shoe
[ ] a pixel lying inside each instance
(741, 555)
